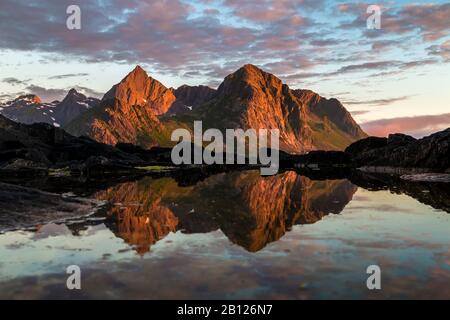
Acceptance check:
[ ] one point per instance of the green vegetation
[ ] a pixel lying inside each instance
(328, 136)
(61, 172)
(157, 169)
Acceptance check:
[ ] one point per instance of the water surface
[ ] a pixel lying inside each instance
(237, 236)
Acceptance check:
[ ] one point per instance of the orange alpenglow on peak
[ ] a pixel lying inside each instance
(249, 98)
(31, 98)
(139, 89)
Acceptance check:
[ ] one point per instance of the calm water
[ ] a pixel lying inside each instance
(237, 236)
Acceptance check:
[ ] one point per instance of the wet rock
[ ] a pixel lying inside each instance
(26, 207)
(427, 177)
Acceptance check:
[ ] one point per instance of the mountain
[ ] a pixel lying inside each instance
(35, 148)
(252, 98)
(30, 109)
(128, 112)
(264, 208)
(137, 89)
(330, 110)
(189, 98)
(72, 106)
(142, 111)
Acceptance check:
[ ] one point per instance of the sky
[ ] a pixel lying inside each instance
(392, 79)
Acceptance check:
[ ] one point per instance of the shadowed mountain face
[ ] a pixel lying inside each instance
(263, 210)
(30, 109)
(330, 110)
(140, 110)
(189, 98)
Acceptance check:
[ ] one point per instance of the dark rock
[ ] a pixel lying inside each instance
(435, 194)
(400, 139)
(26, 207)
(403, 151)
(100, 166)
(50, 147)
(189, 98)
(316, 159)
(156, 155)
(366, 145)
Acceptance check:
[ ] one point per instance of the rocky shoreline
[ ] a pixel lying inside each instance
(41, 150)
(397, 154)
(24, 207)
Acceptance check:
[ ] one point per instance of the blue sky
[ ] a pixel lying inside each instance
(395, 78)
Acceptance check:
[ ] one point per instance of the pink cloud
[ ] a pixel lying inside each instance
(417, 126)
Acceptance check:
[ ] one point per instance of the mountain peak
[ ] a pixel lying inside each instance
(138, 71)
(73, 94)
(251, 67)
(29, 98)
(72, 91)
(251, 71)
(136, 76)
(247, 79)
(139, 89)
(138, 68)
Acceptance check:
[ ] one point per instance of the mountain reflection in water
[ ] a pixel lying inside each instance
(250, 210)
(234, 235)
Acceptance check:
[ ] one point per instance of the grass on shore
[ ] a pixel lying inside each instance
(157, 168)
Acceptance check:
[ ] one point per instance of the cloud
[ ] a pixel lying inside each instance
(367, 66)
(429, 20)
(390, 67)
(417, 126)
(263, 11)
(47, 94)
(14, 81)
(377, 102)
(178, 36)
(69, 75)
(6, 97)
(207, 39)
(89, 92)
(359, 112)
(442, 51)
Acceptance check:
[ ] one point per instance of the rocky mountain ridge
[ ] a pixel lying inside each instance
(141, 111)
(29, 109)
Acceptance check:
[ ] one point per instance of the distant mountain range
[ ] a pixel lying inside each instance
(29, 109)
(142, 111)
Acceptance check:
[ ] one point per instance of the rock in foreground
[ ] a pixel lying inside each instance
(25, 207)
(399, 150)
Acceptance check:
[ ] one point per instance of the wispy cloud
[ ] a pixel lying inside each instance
(377, 102)
(14, 81)
(68, 75)
(46, 94)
